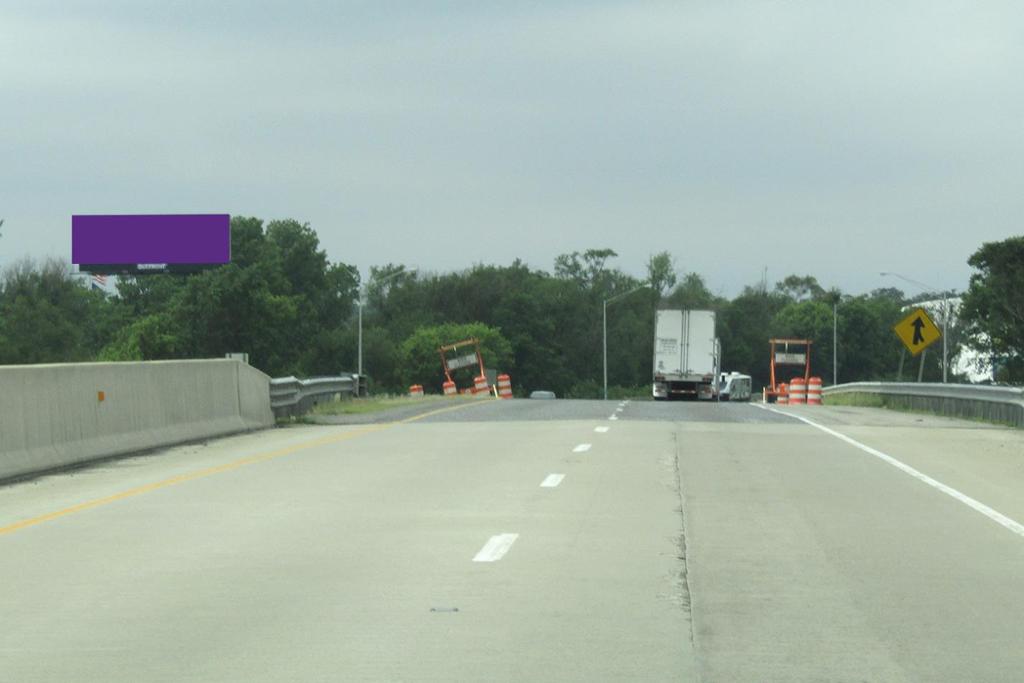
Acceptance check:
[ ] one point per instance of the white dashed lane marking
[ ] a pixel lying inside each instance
(496, 548)
(552, 480)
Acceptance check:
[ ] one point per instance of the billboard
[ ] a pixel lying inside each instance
(161, 243)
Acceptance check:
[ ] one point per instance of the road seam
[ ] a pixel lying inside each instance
(685, 550)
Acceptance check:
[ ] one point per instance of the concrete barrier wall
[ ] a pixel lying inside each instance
(254, 397)
(55, 415)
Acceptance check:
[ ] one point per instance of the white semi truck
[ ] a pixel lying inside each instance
(686, 355)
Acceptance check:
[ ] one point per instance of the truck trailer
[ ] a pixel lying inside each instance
(685, 355)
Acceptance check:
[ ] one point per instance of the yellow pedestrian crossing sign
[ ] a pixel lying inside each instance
(917, 331)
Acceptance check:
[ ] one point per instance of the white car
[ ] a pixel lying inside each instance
(733, 386)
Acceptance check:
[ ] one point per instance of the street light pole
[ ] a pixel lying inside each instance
(945, 321)
(604, 341)
(604, 331)
(835, 343)
(360, 304)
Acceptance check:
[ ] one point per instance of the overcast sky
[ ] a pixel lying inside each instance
(837, 139)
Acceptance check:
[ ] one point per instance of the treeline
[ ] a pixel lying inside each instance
(295, 313)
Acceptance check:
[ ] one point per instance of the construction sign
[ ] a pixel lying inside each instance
(469, 356)
(917, 331)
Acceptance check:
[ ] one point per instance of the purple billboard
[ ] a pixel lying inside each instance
(148, 243)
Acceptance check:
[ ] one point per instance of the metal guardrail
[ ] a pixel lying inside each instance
(1002, 404)
(292, 396)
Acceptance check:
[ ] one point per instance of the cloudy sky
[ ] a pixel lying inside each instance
(838, 139)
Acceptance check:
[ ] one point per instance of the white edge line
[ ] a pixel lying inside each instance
(995, 516)
(582, 448)
(552, 480)
(495, 548)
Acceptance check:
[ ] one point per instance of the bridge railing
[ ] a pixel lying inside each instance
(999, 404)
(291, 396)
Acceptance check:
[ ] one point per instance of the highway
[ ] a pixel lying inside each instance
(531, 541)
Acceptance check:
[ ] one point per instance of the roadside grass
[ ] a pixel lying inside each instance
(856, 400)
(373, 404)
(289, 420)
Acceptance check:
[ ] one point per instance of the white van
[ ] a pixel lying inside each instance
(732, 386)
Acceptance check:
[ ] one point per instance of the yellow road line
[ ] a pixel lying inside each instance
(210, 471)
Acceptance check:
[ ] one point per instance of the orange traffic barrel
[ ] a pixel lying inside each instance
(798, 391)
(814, 391)
(449, 388)
(416, 391)
(504, 386)
(783, 397)
(480, 387)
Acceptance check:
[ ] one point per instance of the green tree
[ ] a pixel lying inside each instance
(801, 288)
(692, 294)
(744, 327)
(280, 300)
(421, 361)
(586, 269)
(661, 273)
(807, 320)
(993, 307)
(152, 337)
(868, 349)
(48, 316)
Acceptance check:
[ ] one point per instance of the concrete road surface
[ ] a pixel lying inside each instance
(531, 541)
